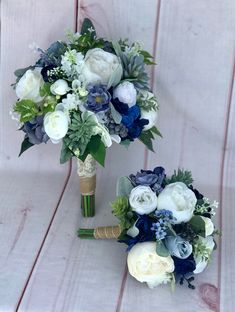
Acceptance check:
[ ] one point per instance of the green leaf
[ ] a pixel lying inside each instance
(65, 153)
(161, 249)
(146, 138)
(24, 146)
(45, 89)
(181, 175)
(125, 143)
(197, 224)
(27, 110)
(156, 131)
(117, 117)
(124, 187)
(97, 149)
(86, 25)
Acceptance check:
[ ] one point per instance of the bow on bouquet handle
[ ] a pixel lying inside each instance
(86, 93)
(167, 225)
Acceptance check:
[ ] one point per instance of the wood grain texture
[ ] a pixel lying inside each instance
(22, 23)
(88, 279)
(193, 99)
(43, 262)
(32, 185)
(227, 215)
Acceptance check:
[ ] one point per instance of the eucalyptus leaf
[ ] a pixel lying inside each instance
(124, 187)
(161, 249)
(117, 117)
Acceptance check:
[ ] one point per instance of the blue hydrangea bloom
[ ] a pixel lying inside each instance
(98, 98)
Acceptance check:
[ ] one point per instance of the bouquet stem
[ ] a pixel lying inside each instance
(102, 232)
(87, 179)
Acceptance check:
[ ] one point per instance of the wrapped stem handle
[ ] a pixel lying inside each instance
(102, 232)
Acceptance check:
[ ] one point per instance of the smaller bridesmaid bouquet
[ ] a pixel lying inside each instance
(166, 224)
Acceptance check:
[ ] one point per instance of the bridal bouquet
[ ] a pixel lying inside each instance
(166, 224)
(86, 93)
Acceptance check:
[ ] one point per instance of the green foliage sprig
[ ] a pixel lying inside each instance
(181, 175)
(122, 210)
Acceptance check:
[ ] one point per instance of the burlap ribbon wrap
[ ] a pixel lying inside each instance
(87, 175)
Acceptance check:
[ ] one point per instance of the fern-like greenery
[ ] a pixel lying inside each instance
(122, 210)
(181, 175)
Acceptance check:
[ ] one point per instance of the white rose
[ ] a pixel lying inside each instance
(59, 87)
(143, 200)
(56, 125)
(29, 85)
(209, 226)
(179, 199)
(201, 263)
(102, 67)
(126, 93)
(151, 116)
(145, 265)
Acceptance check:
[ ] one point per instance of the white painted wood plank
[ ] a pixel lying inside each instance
(24, 22)
(87, 275)
(30, 186)
(27, 206)
(194, 56)
(227, 274)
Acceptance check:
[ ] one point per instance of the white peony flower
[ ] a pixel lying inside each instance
(59, 87)
(145, 265)
(179, 199)
(28, 87)
(56, 125)
(143, 200)
(151, 116)
(209, 226)
(126, 93)
(201, 261)
(102, 67)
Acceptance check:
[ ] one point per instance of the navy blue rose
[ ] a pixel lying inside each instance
(184, 266)
(144, 224)
(153, 179)
(98, 98)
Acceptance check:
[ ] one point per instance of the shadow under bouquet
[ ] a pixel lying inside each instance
(166, 224)
(86, 93)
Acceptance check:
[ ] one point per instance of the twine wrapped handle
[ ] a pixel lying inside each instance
(87, 179)
(102, 232)
(107, 232)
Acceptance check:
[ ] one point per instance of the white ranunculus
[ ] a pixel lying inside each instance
(59, 87)
(126, 93)
(28, 87)
(145, 265)
(56, 125)
(178, 247)
(102, 67)
(201, 263)
(143, 200)
(209, 226)
(151, 116)
(179, 199)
